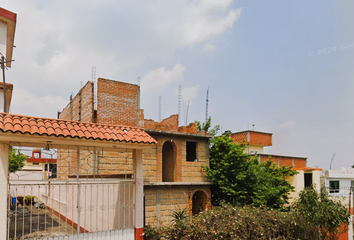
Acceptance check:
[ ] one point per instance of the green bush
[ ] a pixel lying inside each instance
(228, 222)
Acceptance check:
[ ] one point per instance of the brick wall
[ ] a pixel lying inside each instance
(192, 171)
(171, 124)
(109, 162)
(184, 171)
(253, 138)
(300, 162)
(240, 137)
(285, 161)
(118, 103)
(81, 106)
(161, 201)
(167, 124)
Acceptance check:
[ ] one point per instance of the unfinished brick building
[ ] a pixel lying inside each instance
(255, 142)
(173, 177)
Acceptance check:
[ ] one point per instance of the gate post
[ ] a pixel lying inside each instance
(4, 180)
(139, 193)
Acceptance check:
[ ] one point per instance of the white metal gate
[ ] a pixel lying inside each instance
(78, 207)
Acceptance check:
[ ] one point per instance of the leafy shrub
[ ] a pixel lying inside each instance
(227, 222)
(151, 233)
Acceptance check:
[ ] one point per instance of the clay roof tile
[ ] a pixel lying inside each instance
(55, 127)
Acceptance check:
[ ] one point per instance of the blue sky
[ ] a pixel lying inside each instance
(285, 66)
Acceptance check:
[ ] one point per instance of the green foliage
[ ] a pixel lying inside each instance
(179, 215)
(29, 198)
(206, 126)
(322, 211)
(240, 179)
(151, 233)
(16, 160)
(227, 222)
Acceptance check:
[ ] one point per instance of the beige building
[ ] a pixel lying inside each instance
(256, 142)
(173, 175)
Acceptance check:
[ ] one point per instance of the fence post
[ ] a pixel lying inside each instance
(4, 173)
(350, 228)
(139, 193)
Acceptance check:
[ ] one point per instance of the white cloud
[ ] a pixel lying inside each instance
(208, 47)
(160, 77)
(190, 92)
(207, 25)
(44, 106)
(57, 44)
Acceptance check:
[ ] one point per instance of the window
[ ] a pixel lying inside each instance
(308, 179)
(334, 186)
(191, 155)
(35, 163)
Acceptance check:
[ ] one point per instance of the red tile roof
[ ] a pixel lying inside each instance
(73, 129)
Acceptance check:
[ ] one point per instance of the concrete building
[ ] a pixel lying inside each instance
(173, 177)
(256, 141)
(339, 181)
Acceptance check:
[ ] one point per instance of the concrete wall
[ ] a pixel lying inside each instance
(3, 37)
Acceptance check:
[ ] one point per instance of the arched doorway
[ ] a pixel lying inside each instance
(199, 202)
(168, 161)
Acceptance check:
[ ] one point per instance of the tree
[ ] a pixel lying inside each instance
(16, 160)
(319, 209)
(240, 179)
(205, 126)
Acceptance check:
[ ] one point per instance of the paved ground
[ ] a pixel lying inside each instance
(34, 223)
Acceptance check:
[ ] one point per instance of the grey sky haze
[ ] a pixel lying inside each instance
(285, 66)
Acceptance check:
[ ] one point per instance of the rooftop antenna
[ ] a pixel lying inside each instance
(139, 81)
(330, 166)
(206, 107)
(94, 80)
(179, 103)
(253, 126)
(187, 109)
(159, 108)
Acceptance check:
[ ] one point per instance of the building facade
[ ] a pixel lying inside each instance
(173, 175)
(256, 141)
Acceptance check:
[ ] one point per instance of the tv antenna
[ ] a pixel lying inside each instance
(330, 166)
(206, 107)
(179, 103)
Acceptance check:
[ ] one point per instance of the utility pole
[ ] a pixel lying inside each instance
(3, 80)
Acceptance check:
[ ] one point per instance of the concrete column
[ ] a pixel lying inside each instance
(139, 193)
(4, 173)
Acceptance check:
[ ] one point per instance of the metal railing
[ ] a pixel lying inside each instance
(59, 209)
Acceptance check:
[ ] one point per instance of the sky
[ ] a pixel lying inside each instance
(286, 67)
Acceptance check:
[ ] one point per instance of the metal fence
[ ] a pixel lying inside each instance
(59, 209)
(72, 193)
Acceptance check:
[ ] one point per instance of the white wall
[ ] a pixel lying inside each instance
(3, 36)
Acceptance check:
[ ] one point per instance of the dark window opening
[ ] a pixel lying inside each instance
(308, 179)
(199, 202)
(52, 169)
(168, 162)
(334, 186)
(191, 152)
